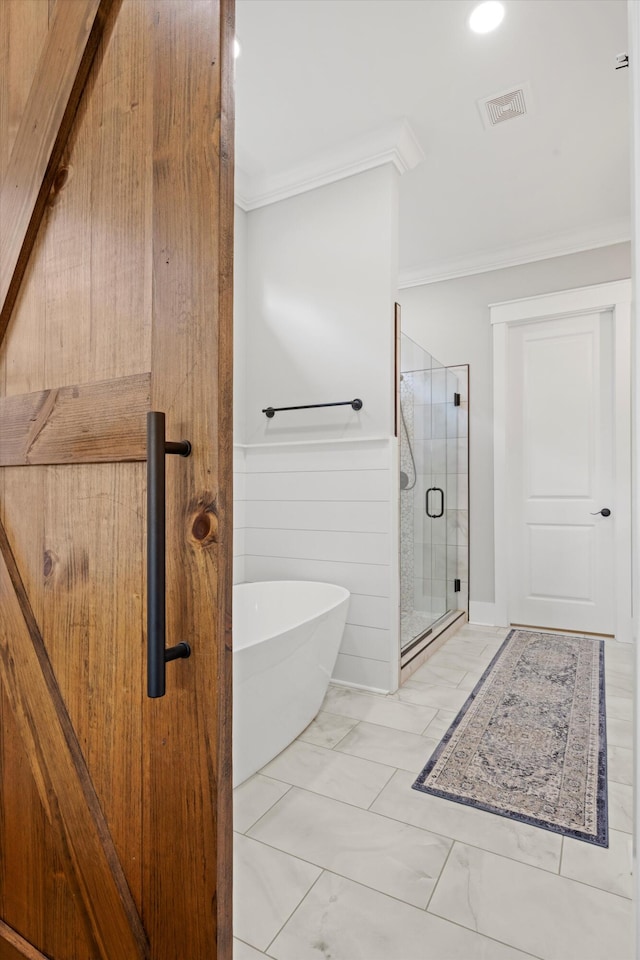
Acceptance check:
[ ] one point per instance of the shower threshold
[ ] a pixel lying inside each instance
(413, 643)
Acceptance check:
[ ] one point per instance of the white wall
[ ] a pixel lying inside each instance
(316, 489)
(240, 250)
(322, 275)
(634, 55)
(239, 359)
(450, 319)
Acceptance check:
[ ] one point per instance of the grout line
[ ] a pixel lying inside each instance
(435, 886)
(437, 739)
(278, 473)
(316, 793)
(344, 876)
(250, 945)
(552, 871)
(298, 529)
(486, 936)
(389, 896)
(383, 787)
(301, 529)
(361, 563)
(382, 816)
(475, 846)
(309, 502)
(297, 906)
(338, 742)
(244, 833)
(273, 556)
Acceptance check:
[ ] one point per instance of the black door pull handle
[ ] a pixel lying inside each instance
(434, 516)
(158, 654)
(605, 512)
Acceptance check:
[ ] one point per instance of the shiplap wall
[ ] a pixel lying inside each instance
(239, 514)
(323, 511)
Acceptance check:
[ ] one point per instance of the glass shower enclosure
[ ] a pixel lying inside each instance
(432, 428)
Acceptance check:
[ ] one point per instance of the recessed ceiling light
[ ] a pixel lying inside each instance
(237, 50)
(487, 16)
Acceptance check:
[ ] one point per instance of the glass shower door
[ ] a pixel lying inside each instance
(435, 517)
(429, 493)
(419, 536)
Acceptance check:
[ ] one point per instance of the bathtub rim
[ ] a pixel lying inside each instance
(345, 597)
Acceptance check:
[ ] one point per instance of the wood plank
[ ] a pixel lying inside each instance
(191, 382)
(15, 947)
(224, 440)
(24, 25)
(42, 902)
(89, 423)
(97, 233)
(60, 772)
(53, 100)
(95, 548)
(121, 141)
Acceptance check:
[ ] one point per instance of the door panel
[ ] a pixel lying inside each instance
(40, 901)
(66, 792)
(550, 576)
(58, 83)
(24, 26)
(561, 471)
(560, 406)
(118, 302)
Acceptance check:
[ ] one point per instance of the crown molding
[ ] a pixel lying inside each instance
(543, 248)
(395, 143)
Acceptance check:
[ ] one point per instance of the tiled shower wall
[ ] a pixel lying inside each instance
(323, 511)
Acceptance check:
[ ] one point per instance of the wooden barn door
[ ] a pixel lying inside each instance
(116, 212)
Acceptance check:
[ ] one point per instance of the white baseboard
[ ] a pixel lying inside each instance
(483, 613)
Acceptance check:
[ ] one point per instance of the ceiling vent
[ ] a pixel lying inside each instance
(505, 106)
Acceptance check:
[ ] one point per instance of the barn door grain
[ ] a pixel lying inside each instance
(116, 203)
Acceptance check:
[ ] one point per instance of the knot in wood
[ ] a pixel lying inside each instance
(60, 179)
(48, 563)
(204, 527)
(58, 185)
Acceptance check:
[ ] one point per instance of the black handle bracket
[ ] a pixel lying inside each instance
(158, 654)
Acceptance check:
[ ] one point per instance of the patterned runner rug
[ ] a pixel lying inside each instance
(530, 741)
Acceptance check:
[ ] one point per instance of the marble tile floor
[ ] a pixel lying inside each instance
(337, 858)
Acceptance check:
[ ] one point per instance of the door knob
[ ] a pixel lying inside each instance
(605, 512)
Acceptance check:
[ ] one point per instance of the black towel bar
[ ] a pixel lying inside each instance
(356, 404)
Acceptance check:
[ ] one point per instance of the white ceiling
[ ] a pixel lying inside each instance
(313, 74)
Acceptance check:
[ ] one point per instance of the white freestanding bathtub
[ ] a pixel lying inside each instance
(286, 636)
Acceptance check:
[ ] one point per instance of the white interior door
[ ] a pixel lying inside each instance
(560, 473)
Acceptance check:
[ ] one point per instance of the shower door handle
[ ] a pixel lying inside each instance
(434, 516)
(158, 654)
